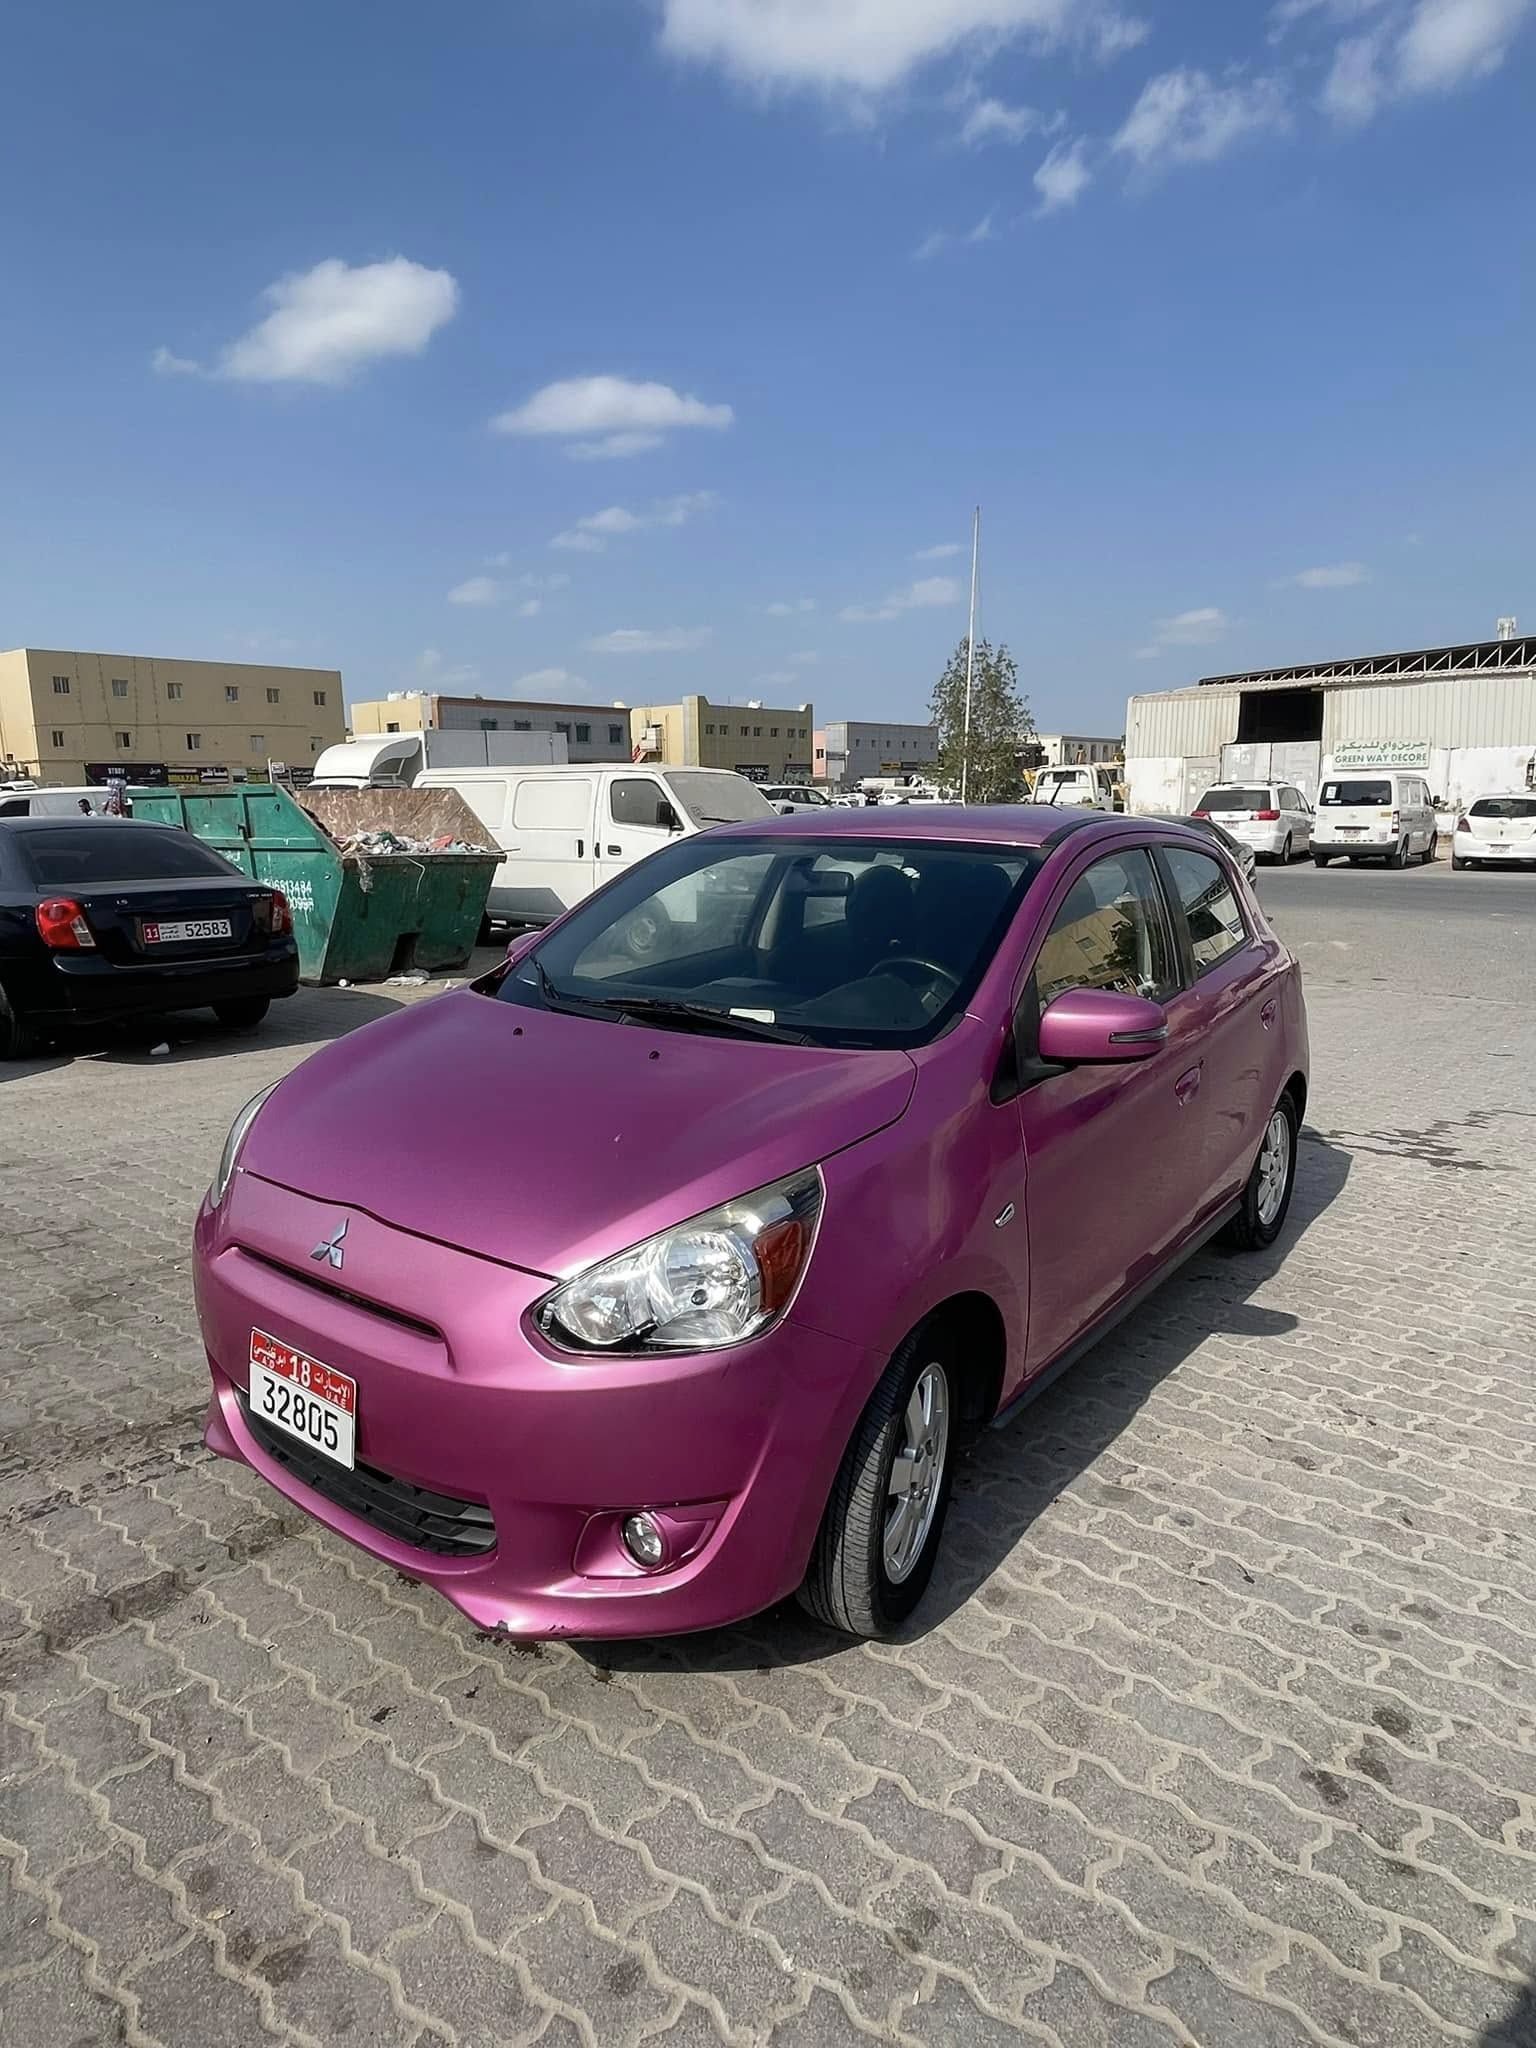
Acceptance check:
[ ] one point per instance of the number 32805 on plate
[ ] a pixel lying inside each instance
(295, 1393)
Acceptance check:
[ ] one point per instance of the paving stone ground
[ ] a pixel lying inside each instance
(1218, 1728)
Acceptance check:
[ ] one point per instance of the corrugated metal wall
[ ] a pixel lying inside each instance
(1182, 722)
(1475, 711)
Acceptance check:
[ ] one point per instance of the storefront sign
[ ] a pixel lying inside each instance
(101, 773)
(1380, 754)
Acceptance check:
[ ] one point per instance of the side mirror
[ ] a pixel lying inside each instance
(521, 944)
(666, 817)
(1097, 1027)
(785, 810)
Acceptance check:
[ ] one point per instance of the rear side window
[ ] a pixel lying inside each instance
(86, 855)
(1374, 792)
(1216, 925)
(552, 805)
(1505, 807)
(1110, 933)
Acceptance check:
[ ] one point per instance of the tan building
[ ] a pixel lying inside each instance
(759, 741)
(70, 718)
(593, 732)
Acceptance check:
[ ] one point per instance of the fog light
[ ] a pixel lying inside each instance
(643, 1540)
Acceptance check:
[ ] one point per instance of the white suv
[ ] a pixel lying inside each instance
(1273, 818)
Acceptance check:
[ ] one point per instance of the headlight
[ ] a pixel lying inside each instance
(710, 1282)
(229, 1158)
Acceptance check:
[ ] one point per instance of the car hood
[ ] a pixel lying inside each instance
(546, 1140)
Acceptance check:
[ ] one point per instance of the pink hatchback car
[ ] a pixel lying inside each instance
(662, 1273)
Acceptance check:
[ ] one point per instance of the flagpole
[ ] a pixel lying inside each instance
(970, 656)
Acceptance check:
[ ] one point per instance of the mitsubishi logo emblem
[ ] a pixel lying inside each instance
(330, 1248)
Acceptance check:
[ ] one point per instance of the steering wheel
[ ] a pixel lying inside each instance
(928, 970)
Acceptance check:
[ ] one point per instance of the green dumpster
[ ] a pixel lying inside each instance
(358, 916)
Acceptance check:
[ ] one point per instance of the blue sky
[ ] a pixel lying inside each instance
(643, 346)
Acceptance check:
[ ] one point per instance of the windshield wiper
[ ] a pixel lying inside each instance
(668, 1010)
(560, 999)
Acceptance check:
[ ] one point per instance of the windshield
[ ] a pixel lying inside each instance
(1505, 807)
(717, 799)
(1376, 794)
(1234, 800)
(83, 854)
(837, 941)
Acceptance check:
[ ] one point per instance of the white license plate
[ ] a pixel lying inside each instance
(295, 1393)
(176, 930)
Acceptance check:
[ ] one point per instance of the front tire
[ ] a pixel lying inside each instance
(244, 1013)
(874, 1552)
(1432, 851)
(1267, 1196)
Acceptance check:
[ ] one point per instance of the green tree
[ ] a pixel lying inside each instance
(1001, 722)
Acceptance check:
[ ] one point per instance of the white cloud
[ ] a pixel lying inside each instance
(944, 552)
(941, 238)
(326, 323)
(1187, 117)
(928, 590)
(477, 590)
(870, 46)
(785, 608)
(164, 364)
(1337, 576)
(542, 681)
(613, 447)
(1115, 34)
(635, 640)
(995, 121)
(1198, 628)
(1355, 86)
(1064, 176)
(1450, 41)
(434, 675)
(592, 534)
(608, 418)
(530, 607)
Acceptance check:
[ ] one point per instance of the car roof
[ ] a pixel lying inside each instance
(1035, 826)
(71, 821)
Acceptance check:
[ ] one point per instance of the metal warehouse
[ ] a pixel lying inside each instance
(1465, 715)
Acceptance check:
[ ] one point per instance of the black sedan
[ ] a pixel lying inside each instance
(1243, 855)
(103, 918)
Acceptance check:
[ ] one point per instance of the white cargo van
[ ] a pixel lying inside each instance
(565, 831)
(1374, 813)
(1083, 787)
(50, 803)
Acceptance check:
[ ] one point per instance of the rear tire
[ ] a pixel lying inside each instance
(19, 1039)
(244, 1013)
(1321, 860)
(1267, 1196)
(1458, 865)
(1398, 857)
(850, 1583)
(1285, 852)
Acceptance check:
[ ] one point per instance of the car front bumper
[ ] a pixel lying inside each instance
(458, 1395)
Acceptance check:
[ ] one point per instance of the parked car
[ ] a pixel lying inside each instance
(106, 918)
(1379, 814)
(1496, 829)
(1244, 856)
(789, 797)
(565, 831)
(1082, 787)
(1274, 819)
(699, 1272)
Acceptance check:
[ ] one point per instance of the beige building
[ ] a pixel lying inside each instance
(759, 741)
(70, 718)
(593, 732)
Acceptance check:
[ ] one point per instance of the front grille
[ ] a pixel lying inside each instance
(316, 1278)
(410, 1514)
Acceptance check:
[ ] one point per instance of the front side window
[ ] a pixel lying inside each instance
(1111, 933)
(637, 800)
(1216, 925)
(835, 941)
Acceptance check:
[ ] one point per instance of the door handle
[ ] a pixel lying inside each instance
(1187, 1085)
(617, 851)
(1268, 1013)
(581, 847)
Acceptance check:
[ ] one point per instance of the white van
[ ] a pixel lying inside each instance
(1374, 814)
(50, 803)
(565, 831)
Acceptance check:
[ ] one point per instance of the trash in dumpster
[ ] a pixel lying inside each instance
(380, 840)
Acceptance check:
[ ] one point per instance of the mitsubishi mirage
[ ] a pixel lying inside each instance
(669, 1288)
